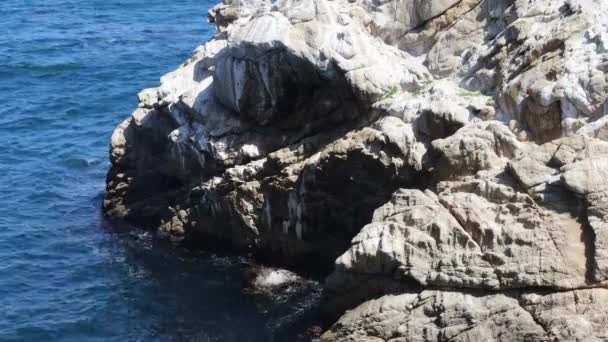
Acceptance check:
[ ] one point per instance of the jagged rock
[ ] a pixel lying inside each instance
(476, 234)
(528, 245)
(588, 178)
(596, 129)
(531, 172)
(570, 316)
(559, 172)
(438, 109)
(301, 204)
(454, 316)
(391, 20)
(229, 11)
(538, 80)
(477, 147)
(287, 133)
(291, 53)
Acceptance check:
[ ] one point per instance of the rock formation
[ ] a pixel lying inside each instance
(449, 155)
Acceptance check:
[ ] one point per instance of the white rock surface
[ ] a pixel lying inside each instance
(460, 142)
(577, 315)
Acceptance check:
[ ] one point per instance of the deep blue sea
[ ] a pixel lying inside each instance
(69, 72)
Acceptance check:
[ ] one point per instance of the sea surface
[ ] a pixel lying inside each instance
(69, 72)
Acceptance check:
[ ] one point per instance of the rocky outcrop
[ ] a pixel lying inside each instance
(449, 156)
(459, 316)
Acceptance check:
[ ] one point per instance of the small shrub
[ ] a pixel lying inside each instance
(391, 92)
(466, 93)
(423, 89)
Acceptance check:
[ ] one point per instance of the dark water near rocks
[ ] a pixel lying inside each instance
(69, 72)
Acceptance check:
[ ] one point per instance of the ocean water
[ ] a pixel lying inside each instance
(69, 72)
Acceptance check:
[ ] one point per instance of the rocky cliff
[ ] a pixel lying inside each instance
(447, 159)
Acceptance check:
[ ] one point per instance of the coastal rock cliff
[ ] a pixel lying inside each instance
(445, 160)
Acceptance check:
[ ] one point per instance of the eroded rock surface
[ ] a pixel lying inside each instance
(450, 154)
(456, 316)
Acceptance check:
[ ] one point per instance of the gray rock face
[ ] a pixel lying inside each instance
(473, 234)
(587, 178)
(455, 316)
(449, 155)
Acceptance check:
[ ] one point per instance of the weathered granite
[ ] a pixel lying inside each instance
(432, 315)
(450, 154)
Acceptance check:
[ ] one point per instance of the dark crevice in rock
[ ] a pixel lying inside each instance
(536, 320)
(588, 238)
